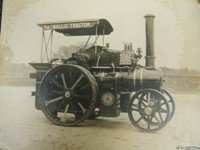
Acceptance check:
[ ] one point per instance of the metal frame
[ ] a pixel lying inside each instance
(46, 51)
(47, 44)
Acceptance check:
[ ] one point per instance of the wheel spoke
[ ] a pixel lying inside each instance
(138, 110)
(77, 81)
(64, 81)
(156, 118)
(142, 95)
(143, 104)
(65, 113)
(56, 92)
(149, 121)
(82, 87)
(139, 119)
(148, 126)
(81, 96)
(74, 110)
(148, 96)
(47, 102)
(135, 105)
(162, 110)
(82, 108)
(73, 107)
(161, 118)
(60, 105)
(163, 103)
(57, 84)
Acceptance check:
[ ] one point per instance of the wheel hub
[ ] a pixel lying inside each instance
(67, 94)
(148, 111)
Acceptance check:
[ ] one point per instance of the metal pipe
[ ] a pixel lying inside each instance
(51, 51)
(96, 38)
(150, 58)
(103, 36)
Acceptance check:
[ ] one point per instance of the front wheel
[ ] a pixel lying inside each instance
(171, 103)
(148, 110)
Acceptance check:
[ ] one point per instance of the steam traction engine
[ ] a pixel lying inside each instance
(98, 81)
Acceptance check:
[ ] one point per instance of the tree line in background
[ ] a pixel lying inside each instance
(11, 70)
(23, 70)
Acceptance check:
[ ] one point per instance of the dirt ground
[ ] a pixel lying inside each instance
(22, 127)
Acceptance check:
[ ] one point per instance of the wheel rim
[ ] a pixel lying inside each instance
(148, 110)
(171, 103)
(67, 94)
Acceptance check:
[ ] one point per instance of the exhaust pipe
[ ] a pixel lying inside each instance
(150, 58)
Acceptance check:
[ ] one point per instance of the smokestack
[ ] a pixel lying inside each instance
(150, 58)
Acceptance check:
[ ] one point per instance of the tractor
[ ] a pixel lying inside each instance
(99, 81)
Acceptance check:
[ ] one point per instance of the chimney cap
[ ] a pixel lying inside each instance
(149, 15)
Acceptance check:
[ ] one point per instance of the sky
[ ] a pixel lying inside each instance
(177, 32)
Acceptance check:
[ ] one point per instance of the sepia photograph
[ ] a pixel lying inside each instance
(91, 74)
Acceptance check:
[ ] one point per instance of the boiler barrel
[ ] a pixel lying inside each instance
(142, 78)
(135, 80)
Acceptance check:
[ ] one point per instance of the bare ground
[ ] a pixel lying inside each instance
(22, 127)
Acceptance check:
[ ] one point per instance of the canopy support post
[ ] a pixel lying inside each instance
(86, 43)
(41, 58)
(96, 38)
(45, 46)
(51, 55)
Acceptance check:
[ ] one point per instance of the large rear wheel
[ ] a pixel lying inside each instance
(67, 94)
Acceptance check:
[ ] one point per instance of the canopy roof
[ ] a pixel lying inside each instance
(79, 27)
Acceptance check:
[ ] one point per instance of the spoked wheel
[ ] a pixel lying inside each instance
(67, 94)
(148, 110)
(171, 103)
